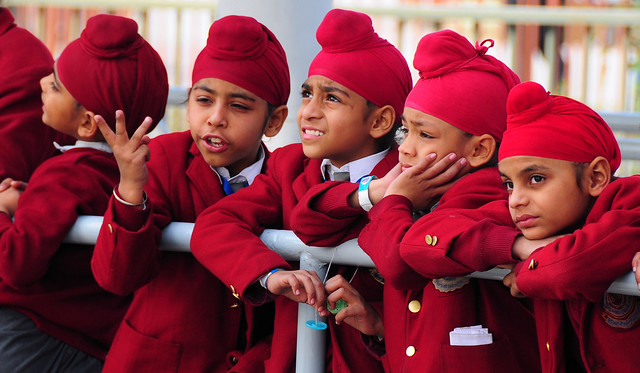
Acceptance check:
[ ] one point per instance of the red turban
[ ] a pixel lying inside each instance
(461, 85)
(355, 56)
(556, 127)
(242, 51)
(112, 67)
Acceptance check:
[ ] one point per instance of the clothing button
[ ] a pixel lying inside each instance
(234, 360)
(434, 240)
(533, 264)
(428, 239)
(110, 228)
(414, 306)
(234, 292)
(411, 351)
(234, 305)
(548, 347)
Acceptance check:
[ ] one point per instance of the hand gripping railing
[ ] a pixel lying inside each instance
(310, 343)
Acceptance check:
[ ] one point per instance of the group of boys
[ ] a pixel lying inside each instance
(489, 172)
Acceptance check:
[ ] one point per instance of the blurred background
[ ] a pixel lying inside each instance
(585, 49)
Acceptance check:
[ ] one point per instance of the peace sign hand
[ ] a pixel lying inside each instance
(131, 155)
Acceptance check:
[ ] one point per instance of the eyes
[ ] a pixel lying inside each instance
(207, 100)
(405, 131)
(307, 95)
(532, 180)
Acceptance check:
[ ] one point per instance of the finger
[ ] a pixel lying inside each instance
(140, 133)
(106, 131)
(121, 125)
(19, 185)
(5, 184)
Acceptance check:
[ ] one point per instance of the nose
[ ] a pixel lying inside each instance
(407, 147)
(44, 80)
(517, 198)
(218, 116)
(309, 109)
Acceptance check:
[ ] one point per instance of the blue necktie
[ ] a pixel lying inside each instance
(230, 188)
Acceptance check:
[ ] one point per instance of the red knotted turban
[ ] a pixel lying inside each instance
(112, 67)
(242, 51)
(557, 127)
(355, 56)
(460, 84)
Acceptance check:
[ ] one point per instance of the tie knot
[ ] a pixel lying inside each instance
(341, 176)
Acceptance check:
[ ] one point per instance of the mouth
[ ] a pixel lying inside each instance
(215, 143)
(310, 132)
(525, 221)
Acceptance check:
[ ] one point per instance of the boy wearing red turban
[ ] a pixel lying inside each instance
(355, 91)
(55, 317)
(456, 111)
(183, 318)
(26, 142)
(557, 162)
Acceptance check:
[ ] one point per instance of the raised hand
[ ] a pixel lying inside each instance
(131, 155)
(427, 180)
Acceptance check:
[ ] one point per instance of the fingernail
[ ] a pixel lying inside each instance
(463, 161)
(432, 155)
(452, 156)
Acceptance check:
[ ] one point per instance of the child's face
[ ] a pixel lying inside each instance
(544, 196)
(425, 134)
(60, 110)
(227, 123)
(333, 122)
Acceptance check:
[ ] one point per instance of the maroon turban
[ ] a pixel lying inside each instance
(355, 56)
(242, 51)
(112, 67)
(460, 84)
(556, 127)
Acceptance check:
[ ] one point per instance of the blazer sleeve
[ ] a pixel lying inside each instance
(226, 238)
(126, 256)
(380, 239)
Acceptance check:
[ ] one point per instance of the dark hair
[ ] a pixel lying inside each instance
(579, 168)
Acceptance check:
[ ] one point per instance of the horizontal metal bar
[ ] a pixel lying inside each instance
(512, 14)
(176, 237)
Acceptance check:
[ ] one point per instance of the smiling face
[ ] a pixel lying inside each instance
(227, 123)
(334, 122)
(546, 196)
(60, 110)
(425, 134)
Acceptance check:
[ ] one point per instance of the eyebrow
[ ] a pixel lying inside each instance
(327, 89)
(233, 95)
(529, 169)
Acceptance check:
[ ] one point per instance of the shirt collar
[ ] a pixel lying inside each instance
(248, 174)
(356, 169)
(102, 146)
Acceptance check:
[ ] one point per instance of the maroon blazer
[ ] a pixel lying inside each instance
(421, 309)
(182, 318)
(51, 281)
(239, 258)
(570, 277)
(26, 141)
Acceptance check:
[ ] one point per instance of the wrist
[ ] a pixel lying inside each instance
(128, 201)
(363, 193)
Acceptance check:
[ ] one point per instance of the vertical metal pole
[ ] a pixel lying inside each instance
(311, 343)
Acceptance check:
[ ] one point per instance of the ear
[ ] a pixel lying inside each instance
(480, 150)
(598, 175)
(276, 121)
(383, 120)
(88, 128)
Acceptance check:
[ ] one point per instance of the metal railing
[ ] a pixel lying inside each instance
(310, 343)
